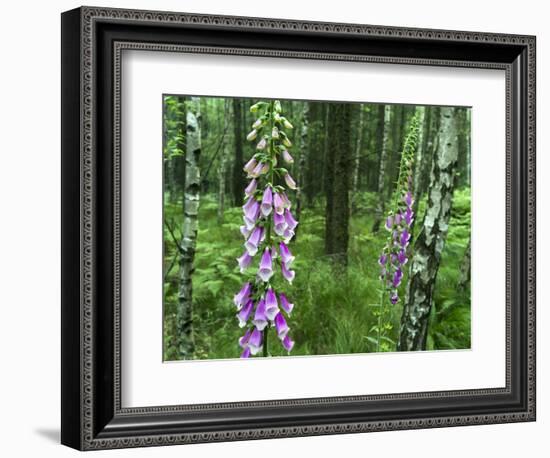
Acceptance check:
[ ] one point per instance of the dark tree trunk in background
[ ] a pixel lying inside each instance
(328, 183)
(325, 178)
(338, 167)
(431, 239)
(465, 267)
(184, 314)
(382, 169)
(239, 182)
(300, 175)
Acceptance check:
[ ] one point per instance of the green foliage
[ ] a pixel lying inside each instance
(336, 312)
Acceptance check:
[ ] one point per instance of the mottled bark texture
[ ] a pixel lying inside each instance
(382, 169)
(338, 167)
(465, 267)
(239, 182)
(223, 164)
(420, 111)
(184, 316)
(357, 158)
(431, 239)
(301, 165)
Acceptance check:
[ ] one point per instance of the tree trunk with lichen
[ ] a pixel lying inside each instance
(301, 165)
(382, 170)
(223, 164)
(357, 158)
(239, 181)
(184, 315)
(465, 267)
(338, 167)
(431, 239)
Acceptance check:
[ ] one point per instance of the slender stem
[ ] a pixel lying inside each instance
(382, 308)
(268, 223)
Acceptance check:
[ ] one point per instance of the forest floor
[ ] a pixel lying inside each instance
(336, 310)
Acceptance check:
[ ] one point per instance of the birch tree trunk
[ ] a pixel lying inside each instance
(420, 111)
(357, 160)
(184, 315)
(431, 239)
(382, 170)
(465, 268)
(238, 175)
(223, 164)
(301, 165)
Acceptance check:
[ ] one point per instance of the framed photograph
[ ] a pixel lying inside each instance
(276, 228)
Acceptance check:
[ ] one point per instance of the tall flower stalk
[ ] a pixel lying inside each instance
(399, 219)
(268, 228)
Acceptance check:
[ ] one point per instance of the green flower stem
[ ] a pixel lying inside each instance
(268, 223)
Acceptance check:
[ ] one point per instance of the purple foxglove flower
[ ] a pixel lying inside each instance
(275, 132)
(394, 299)
(243, 295)
(290, 181)
(265, 169)
(244, 313)
(405, 237)
(288, 343)
(245, 353)
(280, 326)
(382, 259)
(286, 255)
(289, 233)
(290, 221)
(260, 317)
(278, 203)
(250, 166)
(397, 276)
(287, 157)
(262, 143)
(266, 266)
(251, 188)
(271, 307)
(284, 198)
(245, 231)
(252, 135)
(383, 272)
(408, 199)
(254, 240)
(402, 257)
(409, 216)
(287, 306)
(288, 274)
(398, 218)
(389, 223)
(279, 224)
(257, 123)
(251, 213)
(243, 341)
(267, 201)
(256, 171)
(255, 341)
(244, 261)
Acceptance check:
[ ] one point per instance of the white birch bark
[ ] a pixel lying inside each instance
(184, 316)
(431, 239)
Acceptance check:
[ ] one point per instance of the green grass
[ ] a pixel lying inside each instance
(335, 311)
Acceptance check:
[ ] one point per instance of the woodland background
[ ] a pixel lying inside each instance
(347, 160)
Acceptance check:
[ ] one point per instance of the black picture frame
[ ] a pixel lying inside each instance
(92, 40)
